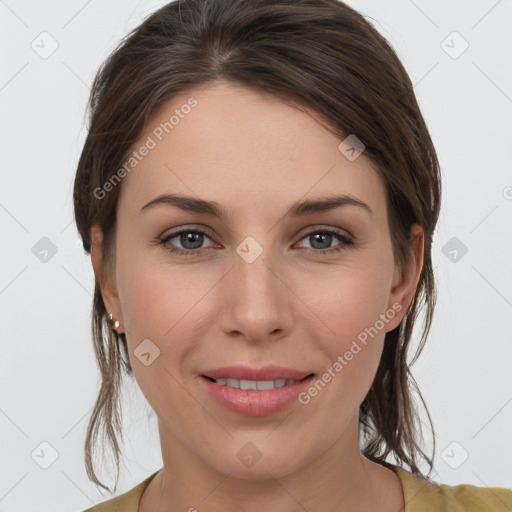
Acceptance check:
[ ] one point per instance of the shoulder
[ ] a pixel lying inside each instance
(422, 495)
(126, 502)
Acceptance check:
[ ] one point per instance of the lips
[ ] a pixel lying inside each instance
(266, 373)
(255, 398)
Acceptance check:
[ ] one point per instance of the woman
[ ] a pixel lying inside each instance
(258, 192)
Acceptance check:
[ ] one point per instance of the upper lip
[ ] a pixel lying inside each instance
(270, 372)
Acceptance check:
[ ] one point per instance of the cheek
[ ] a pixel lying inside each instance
(352, 353)
(165, 304)
(155, 295)
(350, 311)
(348, 300)
(158, 340)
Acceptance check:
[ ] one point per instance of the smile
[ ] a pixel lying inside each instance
(258, 385)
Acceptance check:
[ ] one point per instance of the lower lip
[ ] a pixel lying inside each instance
(256, 403)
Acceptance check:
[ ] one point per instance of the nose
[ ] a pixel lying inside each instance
(257, 303)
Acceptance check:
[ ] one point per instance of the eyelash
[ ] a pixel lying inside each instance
(186, 252)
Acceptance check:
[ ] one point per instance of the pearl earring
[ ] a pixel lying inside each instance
(115, 323)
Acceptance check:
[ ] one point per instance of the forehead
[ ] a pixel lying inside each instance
(229, 143)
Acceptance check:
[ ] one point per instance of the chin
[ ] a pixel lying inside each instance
(250, 463)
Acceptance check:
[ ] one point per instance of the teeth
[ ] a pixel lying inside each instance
(259, 385)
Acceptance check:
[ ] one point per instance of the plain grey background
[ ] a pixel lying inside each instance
(458, 56)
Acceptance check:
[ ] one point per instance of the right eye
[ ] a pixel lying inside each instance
(190, 239)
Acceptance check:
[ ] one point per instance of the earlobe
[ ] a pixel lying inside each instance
(106, 280)
(405, 284)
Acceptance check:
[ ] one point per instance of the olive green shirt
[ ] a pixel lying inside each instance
(420, 496)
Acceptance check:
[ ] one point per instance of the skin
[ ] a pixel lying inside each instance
(256, 155)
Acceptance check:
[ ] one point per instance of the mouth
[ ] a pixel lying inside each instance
(256, 385)
(255, 397)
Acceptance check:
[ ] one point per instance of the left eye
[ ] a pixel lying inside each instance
(192, 241)
(326, 236)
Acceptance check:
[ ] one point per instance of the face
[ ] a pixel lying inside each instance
(314, 291)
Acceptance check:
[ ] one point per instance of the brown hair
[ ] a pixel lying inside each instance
(327, 57)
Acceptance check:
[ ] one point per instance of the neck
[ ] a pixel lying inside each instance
(340, 479)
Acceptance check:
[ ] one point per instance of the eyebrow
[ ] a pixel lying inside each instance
(193, 204)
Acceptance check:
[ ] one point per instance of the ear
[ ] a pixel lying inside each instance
(404, 284)
(105, 277)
